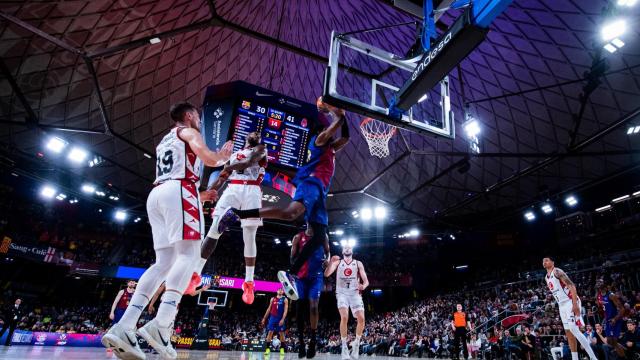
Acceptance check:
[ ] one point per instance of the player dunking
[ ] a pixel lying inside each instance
(309, 283)
(121, 301)
(246, 168)
(351, 281)
(175, 215)
(312, 186)
(569, 306)
(274, 319)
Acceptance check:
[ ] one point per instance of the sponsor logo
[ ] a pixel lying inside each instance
(162, 340)
(6, 243)
(246, 105)
(226, 282)
(258, 93)
(218, 113)
(431, 55)
(348, 272)
(284, 101)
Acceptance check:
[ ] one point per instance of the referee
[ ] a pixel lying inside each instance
(460, 325)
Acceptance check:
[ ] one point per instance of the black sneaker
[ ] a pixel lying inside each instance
(311, 352)
(302, 352)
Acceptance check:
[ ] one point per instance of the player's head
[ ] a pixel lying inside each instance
(459, 307)
(547, 262)
(347, 250)
(253, 139)
(280, 292)
(185, 113)
(131, 284)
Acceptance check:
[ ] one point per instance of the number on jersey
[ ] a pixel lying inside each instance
(165, 163)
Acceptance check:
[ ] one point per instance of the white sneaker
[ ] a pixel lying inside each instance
(124, 343)
(355, 350)
(288, 284)
(159, 338)
(345, 353)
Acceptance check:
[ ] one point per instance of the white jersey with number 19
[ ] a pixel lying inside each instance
(559, 289)
(176, 160)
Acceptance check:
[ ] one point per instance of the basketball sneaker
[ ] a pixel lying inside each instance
(282, 351)
(227, 219)
(158, 338)
(288, 284)
(193, 284)
(268, 351)
(345, 352)
(311, 351)
(247, 292)
(355, 349)
(123, 342)
(302, 351)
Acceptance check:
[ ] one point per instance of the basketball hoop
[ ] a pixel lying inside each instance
(377, 134)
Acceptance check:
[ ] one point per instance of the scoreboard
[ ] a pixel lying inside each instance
(286, 135)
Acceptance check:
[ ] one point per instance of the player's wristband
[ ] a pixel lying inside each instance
(345, 128)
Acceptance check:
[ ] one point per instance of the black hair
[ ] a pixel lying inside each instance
(178, 110)
(552, 258)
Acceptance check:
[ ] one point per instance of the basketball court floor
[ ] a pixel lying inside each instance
(52, 352)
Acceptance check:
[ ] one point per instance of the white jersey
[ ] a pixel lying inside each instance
(176, 160)
(255, 172)
(559, 290)
(347, 277)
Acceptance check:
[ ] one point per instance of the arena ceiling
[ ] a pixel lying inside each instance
(89, 65)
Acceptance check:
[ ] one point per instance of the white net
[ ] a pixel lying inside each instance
(377, 134)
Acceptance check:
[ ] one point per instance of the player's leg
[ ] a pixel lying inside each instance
(357, 309)
(301, 314)
(252, 198)
(318, 218)
(282, 343)
(314, 312)
(267, 351)
(226, 201)
(571, 323)
(343, 309)
(465, 349)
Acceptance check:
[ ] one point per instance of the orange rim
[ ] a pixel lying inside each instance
(371, 135)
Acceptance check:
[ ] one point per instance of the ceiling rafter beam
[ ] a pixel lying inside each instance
(31, 119)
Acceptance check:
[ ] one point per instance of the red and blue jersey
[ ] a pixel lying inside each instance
(321, 164)
(610, 309)
(313, 266)
(277, 307)
(124, 300)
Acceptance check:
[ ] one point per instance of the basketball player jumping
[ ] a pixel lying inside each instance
(274, 319)
(175, 215)
(121, 301)
(312, 186)
(351, 281)
(246, 168)
(309, 283)
(569, 306)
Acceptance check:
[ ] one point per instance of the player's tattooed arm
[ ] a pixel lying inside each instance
(257, 154)
(562, 276)
(224, 175)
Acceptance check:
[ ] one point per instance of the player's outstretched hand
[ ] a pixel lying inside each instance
(281, 323)
(335, 258)
(263, 322)
(111, 316)
(209, 195)
(227, 150)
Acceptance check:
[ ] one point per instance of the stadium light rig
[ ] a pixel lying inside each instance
(627, 3)
(530, 216)
(380, 212)
(632, 130)
(472, 129)
(571, 200)
(366, 213)
(77, 155)
(546, 208)
(611, 33)
(48, 191)
(56, 144)
(88, 189)
(120, 215)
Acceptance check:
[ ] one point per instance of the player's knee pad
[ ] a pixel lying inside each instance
(249, 236)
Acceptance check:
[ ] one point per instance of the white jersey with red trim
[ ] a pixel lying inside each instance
(176, 160)
(559, 289)
(347, 278)
(253, 172)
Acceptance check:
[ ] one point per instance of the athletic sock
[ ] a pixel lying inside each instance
(249, 273)
(134, 310)
(250, 213)
(168, 308)
(344, 341)
(201, 263)
(358, 339)
(574, 356)
(313, 335)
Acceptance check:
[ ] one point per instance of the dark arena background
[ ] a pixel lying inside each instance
(483, 137)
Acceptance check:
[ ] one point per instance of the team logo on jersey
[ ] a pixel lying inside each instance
(348, 272)
(218, 113)
(550, 285)
(241, 156)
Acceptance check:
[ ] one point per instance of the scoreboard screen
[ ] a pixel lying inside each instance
(285, 135)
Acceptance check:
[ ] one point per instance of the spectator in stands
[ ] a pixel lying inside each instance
(11, 316)
(528, 344)
(631, 339)
(599, 343)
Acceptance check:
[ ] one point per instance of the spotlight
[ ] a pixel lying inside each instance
(100, 193)
(99, 210)
(276, 241)
(88, 188)
(120, 215)
(530, 216)
(604, 208)
(366, 213)
(613, 30)
(48, 192)
(380, 212)
(633, 130)
(147, 155)
(471, 128)
(335, 243)
(619, 199)
(73, 201)
(628, 3)
(571, 200)
(56, 144)
(339, 232)
(343, 243)
(414, 232)
(351, 242)
(423, 98)
(154, 40)
(452, 237)
(77, 155)
(355, 214)
(61, 196)
(114, 197)
(546, 208)
(288, 242)
(138, 219)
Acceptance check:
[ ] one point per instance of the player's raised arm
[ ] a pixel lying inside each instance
(258, 153)
(363, 275)
(196, 143)
(333, 265)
